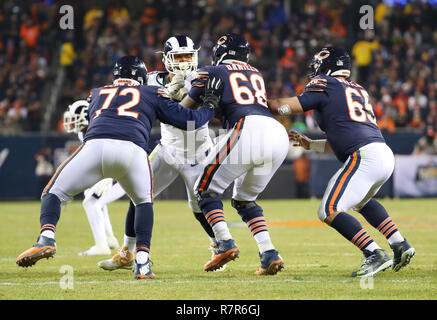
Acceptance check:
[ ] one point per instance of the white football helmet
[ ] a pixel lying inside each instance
(76, 116)
(178, 45)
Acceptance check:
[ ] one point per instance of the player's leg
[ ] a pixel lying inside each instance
(248, 186)
(133, 171)
(96, 220)
(190, 174)
(164, 174)
(78, 172)
(346, 189)
(377, 216)
(221, 170)
(114, 193)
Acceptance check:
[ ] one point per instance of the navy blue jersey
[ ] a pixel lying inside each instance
(244, 91)
(343, 111)
(129, 112)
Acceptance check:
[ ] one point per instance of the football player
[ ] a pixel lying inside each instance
(179, 153)
(248, 155)
(98, 196)
(115, 146)
(344, 112)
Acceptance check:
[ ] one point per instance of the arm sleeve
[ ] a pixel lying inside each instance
(171, 112)
(198, 85)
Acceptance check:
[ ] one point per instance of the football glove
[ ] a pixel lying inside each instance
(213, 93)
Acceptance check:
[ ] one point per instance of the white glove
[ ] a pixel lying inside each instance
(102, 187)
(178, 96)
(177, 83)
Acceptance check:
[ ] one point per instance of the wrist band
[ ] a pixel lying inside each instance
(318, 145)
(284, 110)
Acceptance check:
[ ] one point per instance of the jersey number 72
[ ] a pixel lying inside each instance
(359, 111)
(121, 110)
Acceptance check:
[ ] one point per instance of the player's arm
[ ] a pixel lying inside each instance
(313, 97)
(285, 106)
(171, 112)
(301, 140)
(194, 98)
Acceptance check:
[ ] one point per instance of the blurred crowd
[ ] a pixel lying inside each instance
(395, 60)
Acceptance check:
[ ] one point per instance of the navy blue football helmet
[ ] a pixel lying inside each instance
(130, 67)
(230, 46)
(331, 61)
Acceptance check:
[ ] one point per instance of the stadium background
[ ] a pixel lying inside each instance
(43, 68)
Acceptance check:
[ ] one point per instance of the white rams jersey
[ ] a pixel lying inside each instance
(185, 145)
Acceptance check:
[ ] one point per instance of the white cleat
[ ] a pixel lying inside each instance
(96, 251)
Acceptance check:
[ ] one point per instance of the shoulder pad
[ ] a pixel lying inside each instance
(317, 84)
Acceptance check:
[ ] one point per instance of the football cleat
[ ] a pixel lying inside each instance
(124, 259)
(227, 251)
(44, 248)
(214, 248)
(271, 263)
(402, 254)
(143, 271)
(96, 251)
(374, 262)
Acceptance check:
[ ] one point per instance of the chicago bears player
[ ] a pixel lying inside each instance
(115, 144)
(98, 196)
(344, 112)
(179, 152)
(248, 154)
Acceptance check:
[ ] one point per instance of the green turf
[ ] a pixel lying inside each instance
(318, 260)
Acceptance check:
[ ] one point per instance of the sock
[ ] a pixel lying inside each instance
(351, 229)
(255, 221)
(143, 225)
(205, 225)
(48, 233)
(130, 243)
(50, 213)
(130, 221)
(142, 256)
(212, 208)
(377, 216)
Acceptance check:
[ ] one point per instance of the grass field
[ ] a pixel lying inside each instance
(318, 260)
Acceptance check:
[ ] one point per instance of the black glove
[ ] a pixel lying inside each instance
(213, 93)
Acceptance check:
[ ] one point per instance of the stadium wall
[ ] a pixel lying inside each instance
(18, 180)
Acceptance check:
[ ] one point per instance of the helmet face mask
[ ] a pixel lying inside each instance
(76, 117)
(180, 55)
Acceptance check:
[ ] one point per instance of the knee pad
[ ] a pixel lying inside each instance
(239, 205)
(209, 201)
(247, 210)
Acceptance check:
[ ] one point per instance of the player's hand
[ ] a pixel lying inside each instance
(176, 84)
(300, 139)
(213, 93)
